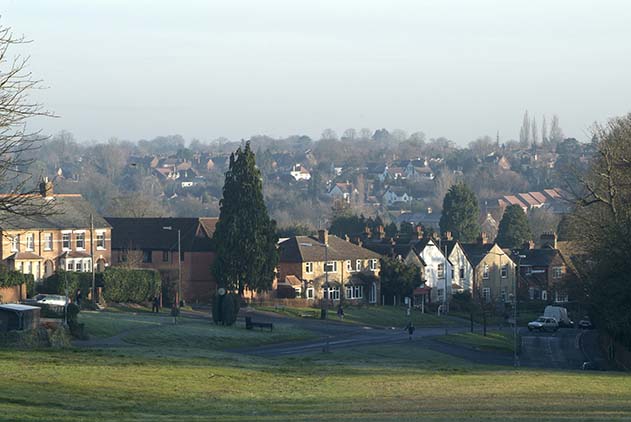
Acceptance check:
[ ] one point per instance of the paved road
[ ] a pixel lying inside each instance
(565, 349)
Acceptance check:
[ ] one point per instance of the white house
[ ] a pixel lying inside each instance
(396, 194)
(462, 279)
(298, 172)
(438, 269)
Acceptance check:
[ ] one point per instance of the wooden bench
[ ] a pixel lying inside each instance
(249, 324)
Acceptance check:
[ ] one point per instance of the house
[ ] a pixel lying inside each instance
(154, 243)
(299, 172)
(396, 194)
(392, 173)
(544, 270)
(494, 273)
(438, 270)
(343, 191)
(463, 270)
(69, 235)
(330, 268)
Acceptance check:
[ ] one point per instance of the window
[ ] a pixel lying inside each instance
(309, 267)
(100, 240)
(503, 294)
(331, 267)
(485, 272)
(29, 268)
(69, 265)
(461, 273)
(80, 239)
(373, 265)
(77, 266)
(441, 294)
(486, 294)
(358, 265)
(332, 293)
(355, 292)
(349, 266)
(30, 242)
(544, 295)
(372, 295)
(309, 292)
(15, 243)
(65, 240)
(441, 271)
(165, 256)
(531, 293)
(146, 255)
(504, 271)
(48, 241)
(349, 292)
(560, 297)
(557, 272)
(86, 265)
(528, 270)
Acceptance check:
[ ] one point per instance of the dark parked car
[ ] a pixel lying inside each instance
(585, 323)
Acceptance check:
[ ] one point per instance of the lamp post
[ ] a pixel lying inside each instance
(515, 333)
(179, 265)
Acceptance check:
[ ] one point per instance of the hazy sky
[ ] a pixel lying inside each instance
(137, 69)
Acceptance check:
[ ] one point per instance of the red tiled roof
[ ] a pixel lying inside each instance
(525, 197)
(538, 196)
(512, 199)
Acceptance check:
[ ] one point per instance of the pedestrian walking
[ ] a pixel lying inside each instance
(340, 312)
(410, 329)
(77, 297)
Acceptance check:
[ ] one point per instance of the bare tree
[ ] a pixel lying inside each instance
(349, 134)
(524, 133)
(16, 140)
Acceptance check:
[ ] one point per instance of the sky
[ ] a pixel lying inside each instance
(134, 69)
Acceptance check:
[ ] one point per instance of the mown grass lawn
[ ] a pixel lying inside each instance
(168, 372)
(371, 384)
(501, 341)
(385, 316)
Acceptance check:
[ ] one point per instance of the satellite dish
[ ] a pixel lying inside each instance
(221, 291)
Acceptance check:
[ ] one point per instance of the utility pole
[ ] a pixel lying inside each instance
(179, 268)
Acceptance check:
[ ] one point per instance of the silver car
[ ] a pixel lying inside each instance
(543, 324)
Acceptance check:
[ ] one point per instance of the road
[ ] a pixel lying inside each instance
(564, 349)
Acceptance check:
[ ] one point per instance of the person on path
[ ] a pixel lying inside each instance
(77, 297)
(340, 312)
(155, 307)
(410, 329)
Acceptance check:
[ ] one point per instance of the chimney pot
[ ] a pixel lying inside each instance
(46, 188)
(448, 236)
(483, 239)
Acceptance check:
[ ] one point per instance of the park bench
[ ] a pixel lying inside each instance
(249, 324)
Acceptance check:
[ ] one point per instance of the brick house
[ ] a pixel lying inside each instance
(69, 235)
(353, 271)
(544, 270)
(153, 243)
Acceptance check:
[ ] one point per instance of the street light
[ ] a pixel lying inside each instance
(515, 354)
(179, 265)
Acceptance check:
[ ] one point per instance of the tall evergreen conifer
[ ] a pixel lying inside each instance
(245, 237)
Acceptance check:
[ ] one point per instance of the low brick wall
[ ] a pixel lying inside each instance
(12, 294)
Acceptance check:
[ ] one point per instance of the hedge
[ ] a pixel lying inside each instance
(137, 285)
(16, 278)
(119, 284)
(56, 283)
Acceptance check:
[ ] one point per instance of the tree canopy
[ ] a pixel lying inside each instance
(514, 229)
(245, 236)
(397, 278)
(460, 213)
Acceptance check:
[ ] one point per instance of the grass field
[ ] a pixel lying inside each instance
(164, 376)
(386, 316)
(501, 341)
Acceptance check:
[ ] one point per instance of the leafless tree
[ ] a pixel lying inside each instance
(19, 191)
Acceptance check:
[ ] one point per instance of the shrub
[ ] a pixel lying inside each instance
(125, 285)
(226, 308)
(60, 280)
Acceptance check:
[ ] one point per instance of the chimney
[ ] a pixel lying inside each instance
(483, 239)
(549, 239)
(381, 232)
(46, 188)
(348, 239)
(367, 232)
(448, 236)
(419, 232)
(323, 236)
(529, 244)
